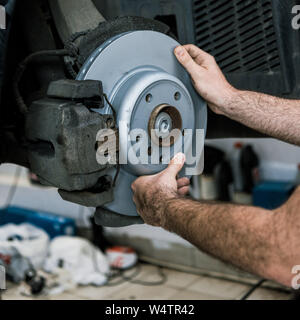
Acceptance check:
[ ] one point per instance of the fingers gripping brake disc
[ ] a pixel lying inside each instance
(149, 90)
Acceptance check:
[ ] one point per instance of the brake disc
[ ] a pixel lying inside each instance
(149, 89)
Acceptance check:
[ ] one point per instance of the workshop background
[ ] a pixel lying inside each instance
(168, 267)
(57, 245)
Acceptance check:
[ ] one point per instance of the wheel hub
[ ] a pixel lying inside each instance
(163, 120)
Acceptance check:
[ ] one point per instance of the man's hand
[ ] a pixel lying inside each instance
(152, 193)
(269, 115)
(207, 77)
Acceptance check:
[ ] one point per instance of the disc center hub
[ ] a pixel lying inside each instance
(165, 125)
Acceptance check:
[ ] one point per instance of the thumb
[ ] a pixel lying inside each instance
(186, 60)
(176, 165)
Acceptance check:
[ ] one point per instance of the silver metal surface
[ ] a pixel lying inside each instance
(163, 124)
(139, 73)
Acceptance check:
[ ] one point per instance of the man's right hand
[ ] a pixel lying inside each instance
(207, 77)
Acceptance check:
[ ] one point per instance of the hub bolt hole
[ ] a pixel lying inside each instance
(177, 96)
(149, 97)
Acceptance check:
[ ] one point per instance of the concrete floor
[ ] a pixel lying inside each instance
(178, 286)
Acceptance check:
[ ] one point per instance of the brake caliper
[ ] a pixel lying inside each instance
(61, 130)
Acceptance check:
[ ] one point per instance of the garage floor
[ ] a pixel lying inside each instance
(178, 286)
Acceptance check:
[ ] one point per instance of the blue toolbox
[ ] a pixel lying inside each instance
(53, 224)
(271, 194)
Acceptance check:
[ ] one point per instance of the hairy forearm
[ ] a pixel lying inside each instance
(244, 236)
(276, 117)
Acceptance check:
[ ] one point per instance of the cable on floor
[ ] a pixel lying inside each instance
(132, 278)
(256, 286)
(118, 274)
(163, 279)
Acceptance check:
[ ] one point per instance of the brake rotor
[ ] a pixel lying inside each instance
(149, 90)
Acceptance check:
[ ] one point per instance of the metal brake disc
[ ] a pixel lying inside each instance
(149, 89)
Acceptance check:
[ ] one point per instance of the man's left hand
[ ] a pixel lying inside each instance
(152, 193)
